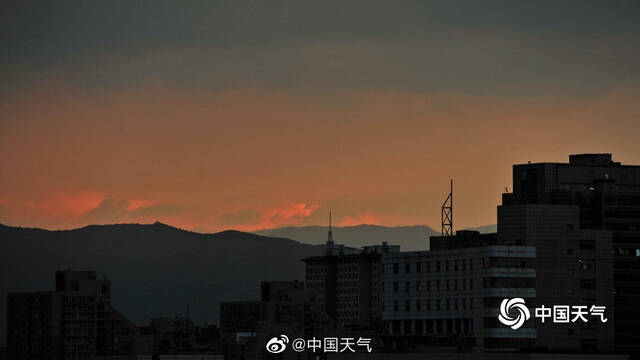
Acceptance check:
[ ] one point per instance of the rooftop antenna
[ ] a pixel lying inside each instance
(447, 214)
(330, 235)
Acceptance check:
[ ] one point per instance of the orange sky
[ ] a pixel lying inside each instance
(257, 158)
(251, 115)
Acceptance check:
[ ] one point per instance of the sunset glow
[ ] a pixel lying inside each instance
(239, 129)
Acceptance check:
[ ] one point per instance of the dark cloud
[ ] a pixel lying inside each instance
(422, 46)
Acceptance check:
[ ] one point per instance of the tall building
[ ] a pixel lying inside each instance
(76, 321)
(449, 295)
(586, 213)
(285, 307)
(348, 282)
(569, 234)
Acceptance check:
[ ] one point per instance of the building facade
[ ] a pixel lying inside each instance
(348, 283)
(451, 296)
(568, 234)
(76, 321)
(285, 307)
(598, 200)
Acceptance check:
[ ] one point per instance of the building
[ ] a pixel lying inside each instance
(348, 282)
(76, 321)
(568, 234)
(581, 212)
(177, 336)
(449, 296)
(573, 266)
(285, 307)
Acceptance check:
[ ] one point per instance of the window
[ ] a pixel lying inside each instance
(428, 285)
(448, 304)
(395, 268)
(587, 244)
(446, 265)
(455, 265)
(587, 264)
(407, 305)
(395, 286)
(588, 345)
(418, 286)
(418, 305)
(494, 302)
(438, 266)
(418, 267)
(588, 284)
(407, 286)
(395, 325)
(569, 251)
(407, 268)
(507, 262)
(395, 305)
(428, 304)
(407, 326)
(438, 285)
(448, 285)
(428, 266)
(508, 282)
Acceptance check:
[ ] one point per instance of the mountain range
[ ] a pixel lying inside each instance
(410, 238)
(155, 270)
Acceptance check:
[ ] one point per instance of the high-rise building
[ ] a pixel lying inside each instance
(348, 282)
(449, 295)
(583, 215)
(569, 234)
(76, 321)
(285, 307)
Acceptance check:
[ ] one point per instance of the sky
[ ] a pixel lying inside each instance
(252, 115)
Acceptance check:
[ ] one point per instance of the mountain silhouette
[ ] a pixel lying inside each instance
(156, 270)
(410, 238)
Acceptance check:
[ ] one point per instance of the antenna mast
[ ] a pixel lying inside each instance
(447, 214)
(330, 237)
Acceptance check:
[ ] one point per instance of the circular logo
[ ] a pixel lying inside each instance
(510, 306)
(277, 344)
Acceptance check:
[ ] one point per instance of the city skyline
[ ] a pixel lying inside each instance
(212, 116)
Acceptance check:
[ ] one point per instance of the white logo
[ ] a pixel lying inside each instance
(506, 309)
(277, 344)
